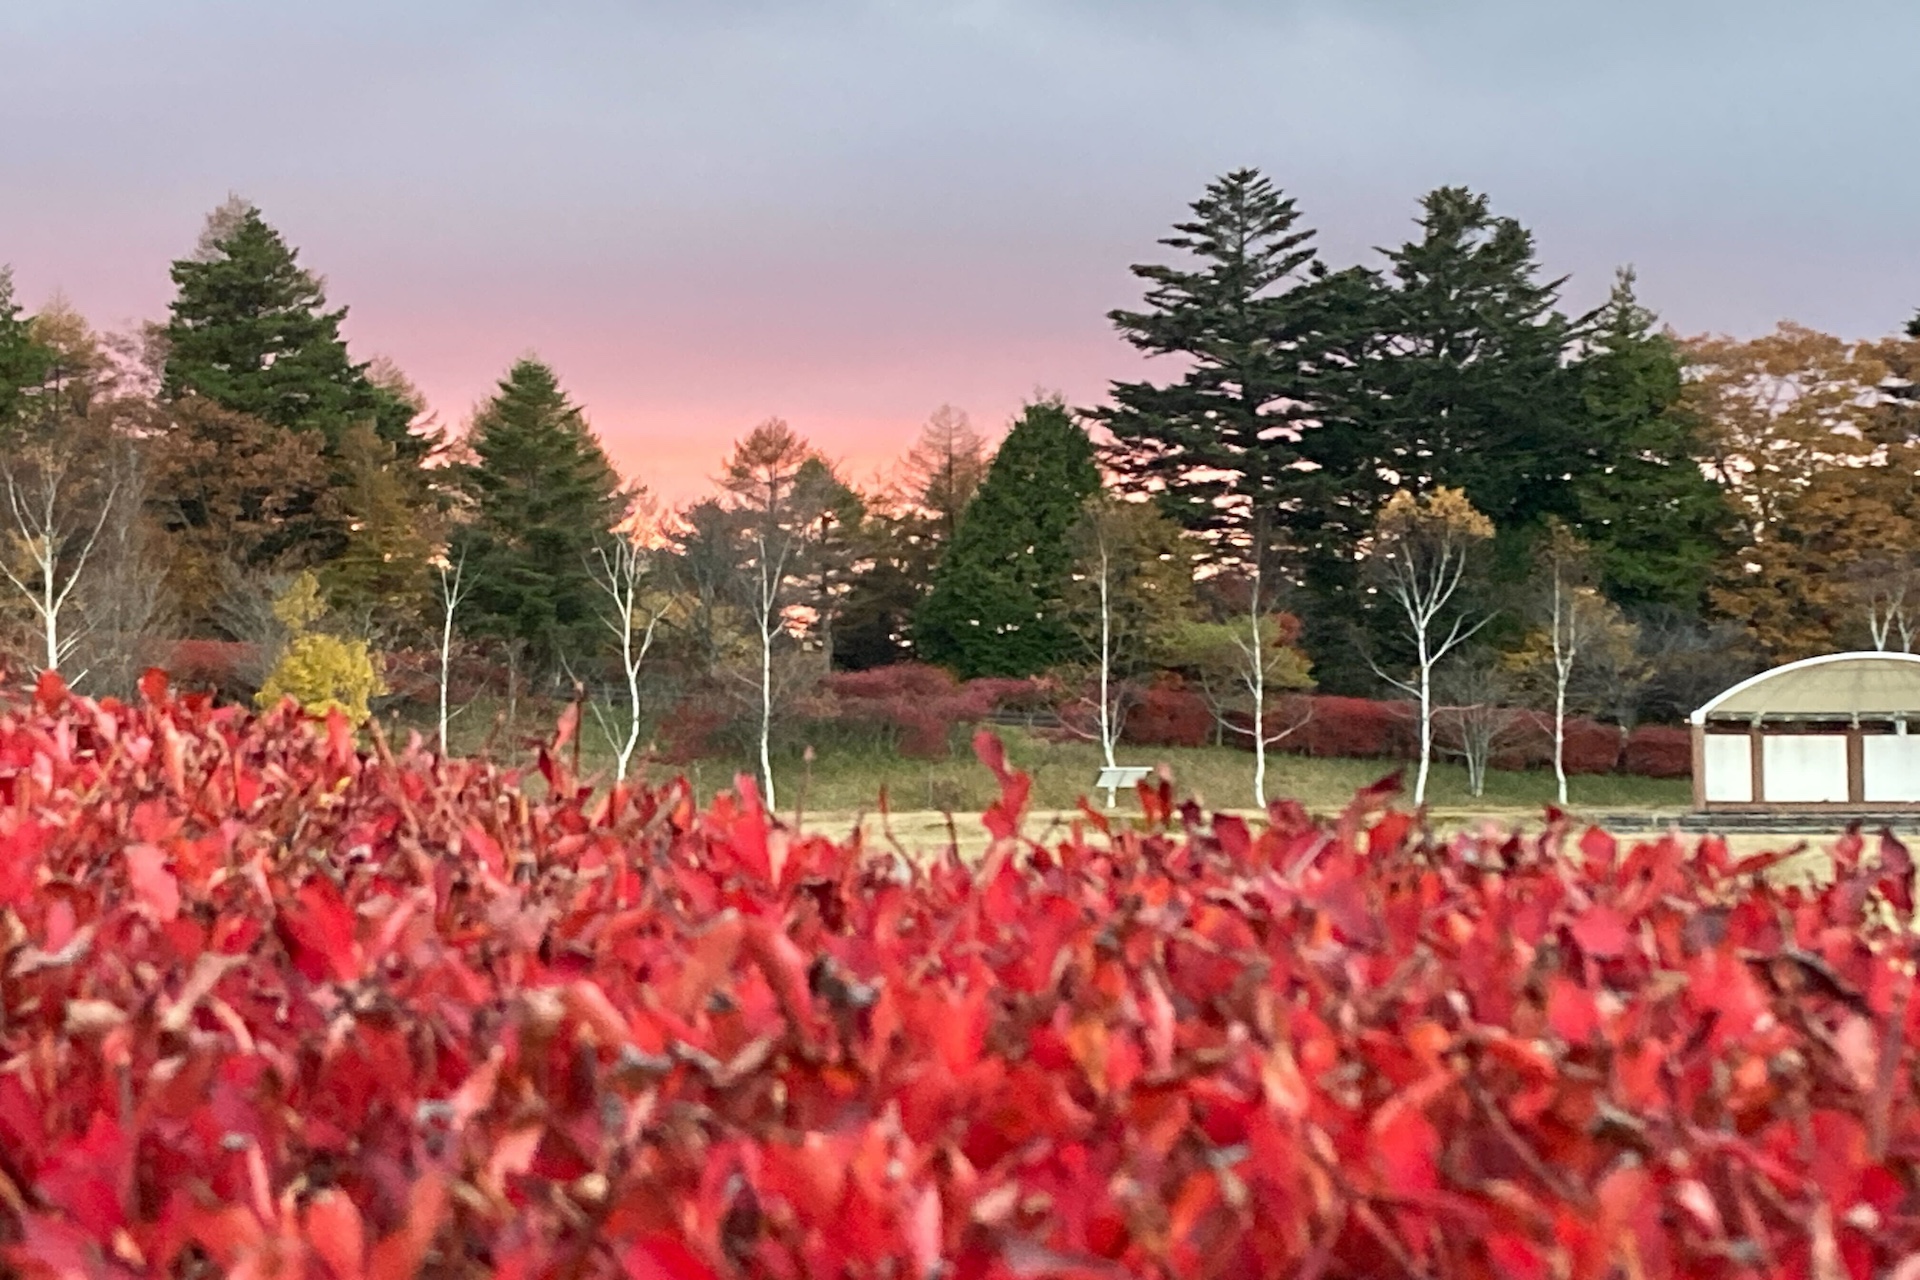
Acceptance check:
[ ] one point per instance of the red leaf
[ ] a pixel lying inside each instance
(1598, 849)
(664, 1257)
(1572, 1011)
(152, 883)
(335, 1232)
(1406, 1148)
(398, 1257)
(317, 927)
(1003, 819)
(1601, 932)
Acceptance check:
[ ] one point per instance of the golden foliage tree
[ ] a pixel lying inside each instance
(1816, 451)
(1422, 550)
(320, 671)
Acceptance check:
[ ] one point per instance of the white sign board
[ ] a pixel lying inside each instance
(1114, 777)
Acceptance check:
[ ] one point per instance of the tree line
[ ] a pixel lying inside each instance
(1419, 475)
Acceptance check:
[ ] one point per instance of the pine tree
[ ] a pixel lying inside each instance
(1245, 321)
(381, 577)
(250, 331)
(1657, 526)
(996, 604)
(1469, 388)
(902, 538)
(542, 492)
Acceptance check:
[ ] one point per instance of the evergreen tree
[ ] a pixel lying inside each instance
(542, 492)
(1222, 446)
(381, 577)
(902, 539)
(1656, 525)
(1469, 388)
(23, 362)
(995, 608)
(250, 331)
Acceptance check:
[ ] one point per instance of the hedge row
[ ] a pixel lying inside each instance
(1318, 725)
(280, 1005)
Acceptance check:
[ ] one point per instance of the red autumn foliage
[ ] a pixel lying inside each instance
(1356, 727)
(278, 1006)
(1659, 751)
(692, 729)
(912, 706)
(1591, 747)
(1169, 715)
(217, 666)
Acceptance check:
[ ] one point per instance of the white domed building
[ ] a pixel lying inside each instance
(1829, 734)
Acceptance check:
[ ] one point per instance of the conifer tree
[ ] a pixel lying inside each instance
(1223, 442)
(543, 493)
(1656, 524)
(1469, 387)
(22, 360)
(901, 538)
(250, 330)
(996, 604)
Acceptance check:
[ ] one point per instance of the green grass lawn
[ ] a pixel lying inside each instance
(849, 780)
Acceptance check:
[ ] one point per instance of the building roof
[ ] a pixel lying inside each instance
(1834, 685)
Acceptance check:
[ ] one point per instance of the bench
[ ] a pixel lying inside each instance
(1114, 777)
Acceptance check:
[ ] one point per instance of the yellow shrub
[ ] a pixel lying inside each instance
(322, 672)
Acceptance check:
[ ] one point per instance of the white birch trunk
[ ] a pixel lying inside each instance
(37, 521)
(1257, 686)
(1108, 729)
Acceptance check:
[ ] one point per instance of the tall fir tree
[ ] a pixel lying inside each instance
(250, 330)
(1469, 386)
(996, 604)
(1658, 527)
(541, 491)
(1221, 447)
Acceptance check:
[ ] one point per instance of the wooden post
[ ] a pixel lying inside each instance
(1699, 768)
(1856, 764)
(1756, 741)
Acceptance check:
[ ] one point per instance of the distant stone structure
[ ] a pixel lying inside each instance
(1824, 735)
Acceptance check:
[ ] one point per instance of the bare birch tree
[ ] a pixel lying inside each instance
(55, 511)
(451, 587)
(1131, 587)
(1419, 559)
(776, 515)
(1266, 667)
(123, 599)
(621, 567)
(1475, 718)
(1887, 586)
(1582, 648)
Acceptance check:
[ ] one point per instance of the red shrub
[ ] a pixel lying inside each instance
(914, 705)
(1659, 751)
(1356, 727)
(279, 1006)
(1169, 716)
(217, 666)
(1591, 747)
(691, 730)
(1016, 693)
